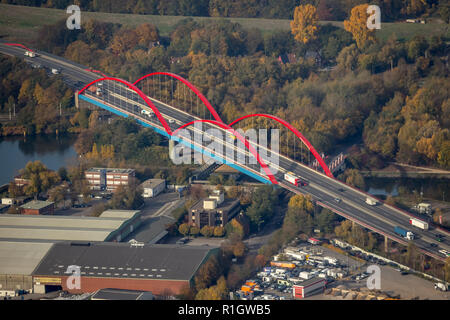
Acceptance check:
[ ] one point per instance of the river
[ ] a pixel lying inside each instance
(437, 189)
(54, 151)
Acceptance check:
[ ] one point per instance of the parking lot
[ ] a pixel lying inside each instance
(347, 272)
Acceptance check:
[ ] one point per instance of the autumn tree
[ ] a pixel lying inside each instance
(304, 25)
(58, 194)
(41, 178)
(219, 231)
(207, 273)
(207, 231)
(216, 292)
(357, 26)
(184, 229)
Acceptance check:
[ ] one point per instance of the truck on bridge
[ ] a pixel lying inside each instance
(295, 180)
(419, 223)
(371, 202)
(30, 54)
(404, 233)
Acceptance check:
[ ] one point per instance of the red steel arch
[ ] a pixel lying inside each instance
(190, 86)
(18, 45)
(241, 138)
(96, 71)
(140, 93)
(296, 132)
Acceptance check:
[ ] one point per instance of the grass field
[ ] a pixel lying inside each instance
(21, 23)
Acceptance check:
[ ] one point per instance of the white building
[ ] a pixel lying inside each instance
(153, 187)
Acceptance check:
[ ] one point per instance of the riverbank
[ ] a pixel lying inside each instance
(401, 170)
(55, 151)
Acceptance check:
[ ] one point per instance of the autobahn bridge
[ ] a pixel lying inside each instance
(181, 113)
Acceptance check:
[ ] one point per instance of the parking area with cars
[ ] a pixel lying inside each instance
(344, 269)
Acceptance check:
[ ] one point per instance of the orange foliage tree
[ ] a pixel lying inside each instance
(304, 25)
(357, 26)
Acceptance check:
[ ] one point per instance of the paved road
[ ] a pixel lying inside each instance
(324, 190)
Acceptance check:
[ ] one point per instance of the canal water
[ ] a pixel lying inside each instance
(54, 151)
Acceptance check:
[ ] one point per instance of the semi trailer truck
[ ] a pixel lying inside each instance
(404, 233)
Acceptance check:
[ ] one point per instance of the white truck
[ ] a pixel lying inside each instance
(296, 181)
(419, 223)
(30, 54)
(371, 202)
(146, 112)
(440, 286)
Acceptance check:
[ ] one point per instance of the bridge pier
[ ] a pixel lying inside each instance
(171, 149)
(77, 105)
(386, 244)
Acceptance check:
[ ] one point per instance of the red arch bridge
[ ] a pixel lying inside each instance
(175, 108)
(178, 110)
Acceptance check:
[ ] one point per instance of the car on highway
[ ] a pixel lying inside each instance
(434, 245)
(171, 121)
(337, 200)
(439, 237)
(444, 252)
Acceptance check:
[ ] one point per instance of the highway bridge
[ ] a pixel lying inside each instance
(129, 99)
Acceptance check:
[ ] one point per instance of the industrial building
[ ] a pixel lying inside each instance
(160, 269)
(152, 187)
(17, 261)
(37, 207)
(213, 211)
(25, 240)
(112, 225)
(308, 287)
(108, 178)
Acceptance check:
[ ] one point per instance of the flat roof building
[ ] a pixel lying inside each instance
(18, 259)
(160, 269)
(108, 178)
(37, 207)
(112, 225)
(153, 187)
(213, 211)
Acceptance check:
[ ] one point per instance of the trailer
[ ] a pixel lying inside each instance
(295, 180)
(419, 223)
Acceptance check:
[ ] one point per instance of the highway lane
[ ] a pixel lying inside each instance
(321, 188)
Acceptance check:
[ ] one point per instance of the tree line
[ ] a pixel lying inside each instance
(283, 9)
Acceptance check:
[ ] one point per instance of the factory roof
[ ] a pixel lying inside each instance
(60, 228)
(152, 183)
(18, 257)
(36, 204)
(124, 260)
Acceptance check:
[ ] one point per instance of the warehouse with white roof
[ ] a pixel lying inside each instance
(26, 239)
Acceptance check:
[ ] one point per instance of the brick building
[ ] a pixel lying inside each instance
(37, 207)
(108, 178)
(160, 269)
